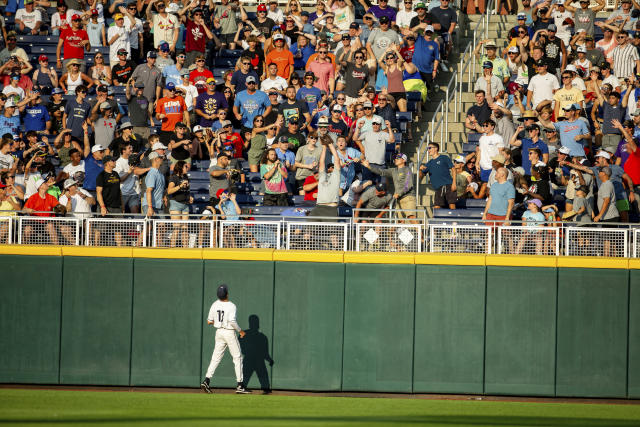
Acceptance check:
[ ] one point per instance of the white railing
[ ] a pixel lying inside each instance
(600, 242)
(636, 242)
(388, 237)
(454, 238)
(115, 232)
(250, 234)
(303, 235)
(6, 230)
(40, 230)
(183, 234)
(529, 240)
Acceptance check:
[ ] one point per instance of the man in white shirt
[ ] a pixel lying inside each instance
(404, 16)
(542, 86)
(118, 35)
(274, 81)
(222, 315)
(490, 145)
(488, 82)
(129, 181)
(28, 20)
(76, 199)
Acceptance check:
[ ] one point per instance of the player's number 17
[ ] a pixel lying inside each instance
(220, 315)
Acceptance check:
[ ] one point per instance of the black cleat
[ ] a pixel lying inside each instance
(204, 386)
(241, 390)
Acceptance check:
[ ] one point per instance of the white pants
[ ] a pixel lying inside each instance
(226, 338)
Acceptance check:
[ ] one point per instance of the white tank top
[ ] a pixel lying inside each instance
(73, 84)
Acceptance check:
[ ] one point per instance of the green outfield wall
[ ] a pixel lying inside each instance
(410, 323)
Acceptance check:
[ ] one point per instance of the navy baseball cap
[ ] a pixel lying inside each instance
(170, 86)
(222, 291)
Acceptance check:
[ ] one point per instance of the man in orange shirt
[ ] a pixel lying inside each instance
(170, 110)
(282, 57)
(44, 203)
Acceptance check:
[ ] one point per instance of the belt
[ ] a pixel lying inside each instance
(408, 193)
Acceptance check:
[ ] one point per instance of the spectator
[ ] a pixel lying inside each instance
(478, 113)
(163, 60)
(36, 117)
(375, 199)
(180, 145)
(542, 86)
(567, 95)
(165, 25)
(61, 20)
(152, 201)
(93, 164)
(442, 175)
(41, 204)
(109, 196)
(445, 20)
(612, 111)
(129, 181)
(138, 109)
(489, 145)
(76, 113)
(123, 70)
(12, 50)
(189, 93)
(151, 77)
(274, 175)
(45, 78)
(198, 33)
(228, 206)
(500, 67)
(174, 72)
(119, 34)
(29, 19)
(238, 80)
(526, 144)
(104, 125)
(501, 200)
(95, 29)
(488, 82)
(263, 23)
(73, 42)
(323, 71)
(209, 104)
(75, 166)
(226, 22)
(171, 110)
(584, 16)
(380, 39)
(328, 185)
(294, 137)
(250, 103)
(179, 198)
(373, 145)
(607, 211)
(76, 200)
(74, 78)
(574, 133)
(625, 58)
(402, 179)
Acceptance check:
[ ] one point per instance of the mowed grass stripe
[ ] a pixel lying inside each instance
(58, 407)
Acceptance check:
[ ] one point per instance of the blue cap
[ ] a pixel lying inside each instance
(222, 292)
(170, 86)
(57, 90)
(276, 27)
(487, 64)
(164, 46)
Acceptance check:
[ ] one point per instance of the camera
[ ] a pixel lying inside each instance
(135, 159)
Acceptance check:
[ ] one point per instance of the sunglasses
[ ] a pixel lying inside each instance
(359, 57)
(358, 109)
(368, 108)
(411, 38)
(159, 6)
(341, 98)
(251, 83)
(180, 56)
(199, 60)
(322, 51)
(258, 120)
(366, 18)
(246, 63)
(621, 37)
(227, 91)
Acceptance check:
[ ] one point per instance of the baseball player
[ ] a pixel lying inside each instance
(222, 316)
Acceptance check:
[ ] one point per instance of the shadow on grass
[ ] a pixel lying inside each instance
(300, 420)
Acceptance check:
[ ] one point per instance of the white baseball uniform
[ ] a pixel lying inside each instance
(223, 316)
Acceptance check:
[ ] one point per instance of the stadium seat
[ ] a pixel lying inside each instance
(198, 175)
(473, 137)
(458, 213)
(225, 62)
(469, 148)
(414, 96)
(471, 203)
(405, 116)
(199, 186)
(230, 53)
(201, 164)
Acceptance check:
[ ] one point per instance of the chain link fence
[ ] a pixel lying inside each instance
(317, 236)
(453, 238)
(183, 234)
(116, 232)
(528, 240)
(49, 231)
(6, 230)
(600, 242)
(388, 238)
(250, 234)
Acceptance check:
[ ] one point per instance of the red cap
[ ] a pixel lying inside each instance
(76, 17)
(42, 58)
(2, 185)
(262, 8)
(94, 12)
(220, 191)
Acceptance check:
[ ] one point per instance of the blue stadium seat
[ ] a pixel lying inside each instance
(201, 164)
(458, 213)
(225, 62)
(230, 53)
(198, 175)
(254, 177)
(414, 96)
(100, 49)
(201, 197)
(252, 16)
(46, 49)
(200, 186)
(36, 40)
(119, 90)
(296, 200)
(405, 116)
(471, 203)
(268, 210)
(473, 137)
(412, 106)
(469, 148)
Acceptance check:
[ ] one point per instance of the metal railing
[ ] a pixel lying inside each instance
(390, 234)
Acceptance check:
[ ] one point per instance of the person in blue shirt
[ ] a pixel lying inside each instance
(92, 162)
(251, 103)
(171, 73)
(501, 199)
(534, 141)
(288, 160)
(36, 116)
(8, 122)
(426, 56)
(155, 183)
(228, 207)
(309, 93)
(302, 51)
(574, 133)
(441, 172)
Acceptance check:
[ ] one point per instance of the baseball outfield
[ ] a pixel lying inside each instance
(104, 408)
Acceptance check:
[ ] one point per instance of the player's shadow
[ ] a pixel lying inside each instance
(255, 348)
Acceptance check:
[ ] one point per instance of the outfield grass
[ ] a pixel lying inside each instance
(79, 408)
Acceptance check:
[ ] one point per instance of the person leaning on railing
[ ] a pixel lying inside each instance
(402, 184)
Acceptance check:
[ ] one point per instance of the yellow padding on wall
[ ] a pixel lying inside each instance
(106, 252)
(379, 258)
(181, 253)
(522, 260)
(592, 262)
(30, 250)
(309, 256)
(634, 263)
(449, 259)
(239, 254)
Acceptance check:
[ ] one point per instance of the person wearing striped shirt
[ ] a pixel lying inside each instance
(625, 57)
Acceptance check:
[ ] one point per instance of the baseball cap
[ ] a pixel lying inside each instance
(541, 63)
(106, 159)
(15, 76)
(9, 104)
(158, 146)
(487, 64)
(384, 20)
(262, 8)
(184, 72)
(400, 156)
(581, 49)
(76, 17)
(97, 148)
(164, 46)
(283, 138)
(69, 182)
(94, 12)
(118, 16)
(420, 5)
(228, 147)
(102, 88)
(499, 158)
(42, 58)
(513, 49)
(604, 155)
(139, 85)
(218, 194)
(635, 113)
(122, 52)
(153, 155)
(181, 125)
(57, 90)
(354, 25)
(459, 159)
(337, 107)
(522, 16)
(571, 68)
(152, 54)
(536, 202)
(490, 45)
(197, 128)
(39, 181)
(564, 150)
(225, 123)
(367, 104)
(125, 125)
(381, 186)
(211, 80)
(278, 37)
(105, 106)
(429, 29)
(250, 79)
(376, 121)
(323, 122)
(552, 27)
(533, 127)
(574, 107)
(170, 86)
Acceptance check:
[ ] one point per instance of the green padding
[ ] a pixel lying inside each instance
(30, 317)
(378, 327)
(592, 332)
(308, 321)
(251, 290)
(96, 321)
(167, 322)
(521, 331)
(634, 335)
(449, 329)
